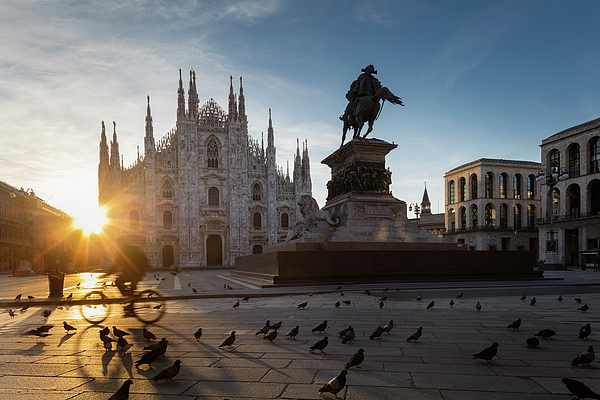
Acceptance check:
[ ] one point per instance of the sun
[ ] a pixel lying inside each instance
(91, 221)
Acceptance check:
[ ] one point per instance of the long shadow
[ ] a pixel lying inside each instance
(127, 362)
(66, 337)
(106, 357)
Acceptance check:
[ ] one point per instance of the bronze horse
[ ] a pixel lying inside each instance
(367, 109)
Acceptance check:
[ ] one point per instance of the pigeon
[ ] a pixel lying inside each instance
(189, 283)
(377, 333)
(346, 302)
(159, 347)
(579, 389)
(11, 313)
(460, 296)
(419, 298)
(18, 297)
(24, 308)
(532, 342)
(276, 326)
(321, 327)
(389, 326)
(320, 345)
(532, 302)
(584, 308)
(246, 298)
(488, 353)
(292, 334)
(68, 327)
(337, 304)
(237, 304)
(310, 294)
(356, 359)
(545, 333)
(451, 303)
(265, 329)
(559, 298)
(585, 357)
(271, 336)
(157, 306)
(148, 335)
(302, 305)
(367, 292)
(78, 284)
(478, 306)
(430, 305)
(30, 297)
(229, 341)
(118, 332)
(384, 298)
(415, 336)
(381, 304)
(46, 314)
(70, 296)
(107, 341)
(123, 392)
(515, 324)
(168, 373)
(41, 331)
(386, 289)
(194, 290)
(578, 300)
(585, 331)
(335, 385)
(343, 332)
(523, 297)
(198, 334)
(148, 358)
(122, 344)
(349, 337)
(105, 331)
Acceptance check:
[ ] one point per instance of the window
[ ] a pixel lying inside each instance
(462, 187)
(285, 223)
(594, 156)
(574, 161)
(474, 216)
(574, 202)
(489, 185)
(167, 220)
(256, 192)
(463, 217)
(489, 215)
(134, 218)
(531, 187)
(503, 216)
(595, 197)
(167, 189)
(213, 197)
(257, 249)
(451, 189)
(473, 186)
(531, 217)
(503, 186)
(517, 224)
(517, 183)
(212, 154)
(257, 220)
(554, 160)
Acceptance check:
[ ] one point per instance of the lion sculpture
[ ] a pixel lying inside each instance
(310, 215)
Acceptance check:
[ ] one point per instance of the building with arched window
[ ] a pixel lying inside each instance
(491, 215)
(575, 201)
(204, 193)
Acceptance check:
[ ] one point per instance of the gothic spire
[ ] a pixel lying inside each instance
(242, 101)
(104, 160)
(232, 105)
(192, 96)
(180, 98)
(270, 136)
(149, 128)
(425, 203)
(114, 149)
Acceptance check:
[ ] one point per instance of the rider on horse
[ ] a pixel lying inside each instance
(365, 85)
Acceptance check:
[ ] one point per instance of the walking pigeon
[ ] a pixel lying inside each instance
(246, 298)
(335, 385)
(488, 353)
(430, 305)
(460, 296)
(478, 306)
(292, 334)
(11, 313)
(532, 302)
(451, 303)
(585, 357)
(579, 389)
(559, 298)
(356, 359)
(168, 373)
(159, 347)
(389, 326)
(148, 358)
(321, 327)
(271, 336)
(237, 304)
(515, 324)
(381, 304)
(346, 302)
(419, 298)
(265, 329)
(585, 331)
(578, 300)
(148, 335)
(68, 327)
(123, 392)
(377, 333)
(123, 345)
(18, 297)
(349, 337)
(523, 297)
(41, 331)
(584, 308)
(198, 334)
(302, 305)
(320, 345)
(46, 314)
(337, 304)
(70, 297)
(276, 326)
(229, 341)
(415, 336)
(118, 332)
(107, 341)
(545, 333)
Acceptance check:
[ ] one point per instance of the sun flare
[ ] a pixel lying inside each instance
(91, 221)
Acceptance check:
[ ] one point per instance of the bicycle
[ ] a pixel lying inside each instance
(146, 305)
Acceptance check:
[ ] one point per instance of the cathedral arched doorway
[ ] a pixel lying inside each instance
(168, 256)
(214, 251)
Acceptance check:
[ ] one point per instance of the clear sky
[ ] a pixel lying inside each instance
(478, 78)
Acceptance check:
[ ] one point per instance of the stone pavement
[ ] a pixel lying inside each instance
(440, 366)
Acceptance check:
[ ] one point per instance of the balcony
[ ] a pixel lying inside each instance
(569, 217)
(491, 229)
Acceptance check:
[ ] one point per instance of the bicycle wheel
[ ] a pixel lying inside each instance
(97, 310)
(149, 306)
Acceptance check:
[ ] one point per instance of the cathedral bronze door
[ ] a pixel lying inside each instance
(214, 251)
(168, 258)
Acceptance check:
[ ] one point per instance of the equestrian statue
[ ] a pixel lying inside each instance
(363, 102)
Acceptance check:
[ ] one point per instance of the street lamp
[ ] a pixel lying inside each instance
(555, 175)
(417, 210)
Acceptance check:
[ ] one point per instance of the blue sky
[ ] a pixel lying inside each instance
(478, 78)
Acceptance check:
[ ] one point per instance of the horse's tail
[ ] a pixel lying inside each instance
(385, 94)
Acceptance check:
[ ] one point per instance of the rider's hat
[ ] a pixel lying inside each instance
(370, 69)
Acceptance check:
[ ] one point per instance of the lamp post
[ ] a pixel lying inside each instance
(551, 178)
(417, 210)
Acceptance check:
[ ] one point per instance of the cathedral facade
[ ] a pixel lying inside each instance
(204, 193)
